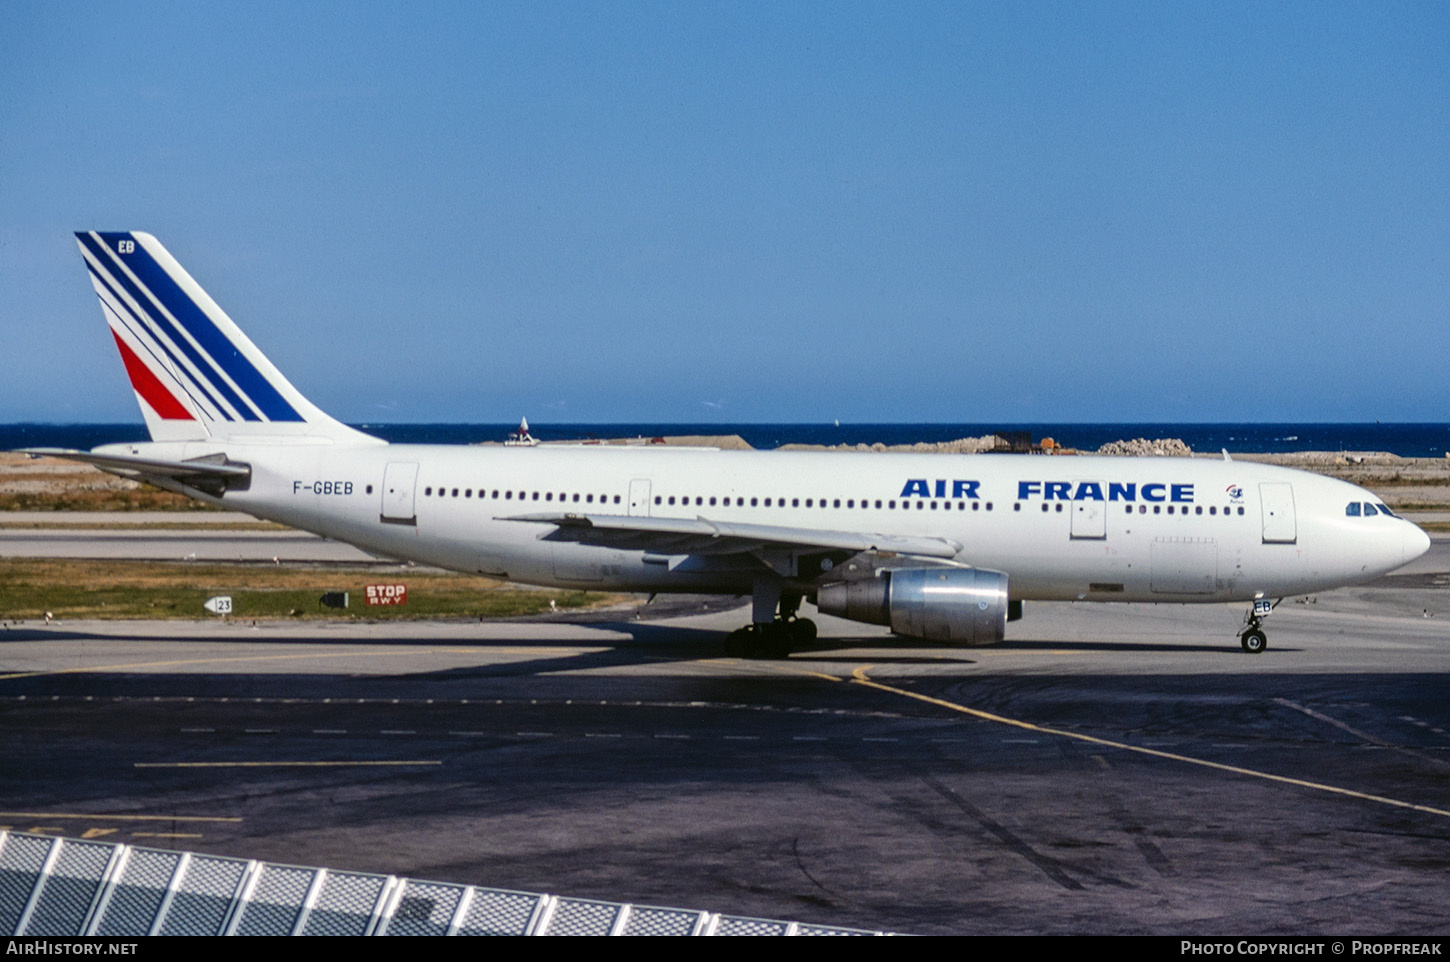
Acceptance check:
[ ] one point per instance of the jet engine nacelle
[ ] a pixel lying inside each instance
(966, 606)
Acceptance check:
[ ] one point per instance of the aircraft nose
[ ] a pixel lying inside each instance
(1414, 543)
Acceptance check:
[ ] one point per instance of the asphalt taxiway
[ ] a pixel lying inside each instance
(221, 536)
(1109, 768)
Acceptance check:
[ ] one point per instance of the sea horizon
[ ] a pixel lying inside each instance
(1407, 439)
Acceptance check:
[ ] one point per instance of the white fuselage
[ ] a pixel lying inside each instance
(940, 547)
(1061, 528)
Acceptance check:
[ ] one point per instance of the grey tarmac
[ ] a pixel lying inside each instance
(1107, 769)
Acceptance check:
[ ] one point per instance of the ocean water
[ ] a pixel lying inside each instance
(1420, 440)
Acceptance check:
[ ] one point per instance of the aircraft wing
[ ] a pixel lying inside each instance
(210, 471)
(703, 536)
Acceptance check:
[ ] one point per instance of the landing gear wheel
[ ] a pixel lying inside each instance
(804, 631)
(740, 642)
(775, 640)
(1254, 641)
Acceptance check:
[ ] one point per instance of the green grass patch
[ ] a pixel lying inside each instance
(139, 589)
(105, 499)
(141, 524)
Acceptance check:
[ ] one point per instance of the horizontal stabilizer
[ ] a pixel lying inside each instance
(703, 536)
(212, 473)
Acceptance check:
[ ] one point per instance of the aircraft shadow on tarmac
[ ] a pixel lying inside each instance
(647, 643)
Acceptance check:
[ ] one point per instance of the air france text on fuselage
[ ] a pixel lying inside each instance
(1152, 491)
(921, 488)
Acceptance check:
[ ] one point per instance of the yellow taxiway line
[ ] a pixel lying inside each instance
(282, 764)
(107, 817)
(860, 677)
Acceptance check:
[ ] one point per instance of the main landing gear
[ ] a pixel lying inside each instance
(773, 639)
(1253, 639)
(773, 635)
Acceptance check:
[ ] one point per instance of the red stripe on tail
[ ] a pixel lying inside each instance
(152, 391)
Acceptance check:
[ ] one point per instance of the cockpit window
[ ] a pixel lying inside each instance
(1369, 510)
(1352, 510)
(1384, 510)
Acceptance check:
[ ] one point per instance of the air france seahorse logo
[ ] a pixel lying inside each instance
(1235, 493)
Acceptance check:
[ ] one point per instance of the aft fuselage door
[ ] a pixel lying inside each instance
(400, 481)
(1277, 501)
(639, 498)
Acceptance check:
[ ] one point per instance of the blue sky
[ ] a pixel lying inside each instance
(749, 212)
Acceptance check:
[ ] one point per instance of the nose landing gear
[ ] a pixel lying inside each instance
(1253, 639)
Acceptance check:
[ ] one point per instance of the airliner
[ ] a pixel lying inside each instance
(944, 548)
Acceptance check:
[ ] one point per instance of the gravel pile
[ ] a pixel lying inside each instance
(1142, 447)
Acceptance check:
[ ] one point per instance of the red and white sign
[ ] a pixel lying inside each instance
(387, 594)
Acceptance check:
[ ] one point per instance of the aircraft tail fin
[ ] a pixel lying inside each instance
(195, 374)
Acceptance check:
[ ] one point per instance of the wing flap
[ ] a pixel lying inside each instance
(706, 536)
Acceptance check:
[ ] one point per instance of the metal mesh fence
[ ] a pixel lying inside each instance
(276, 901)
(425, 908)
(69, 888)
(66, 887)
(346, 905)
(202, 899)
(133, 903)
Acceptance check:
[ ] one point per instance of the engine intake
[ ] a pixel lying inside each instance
(965, 606)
